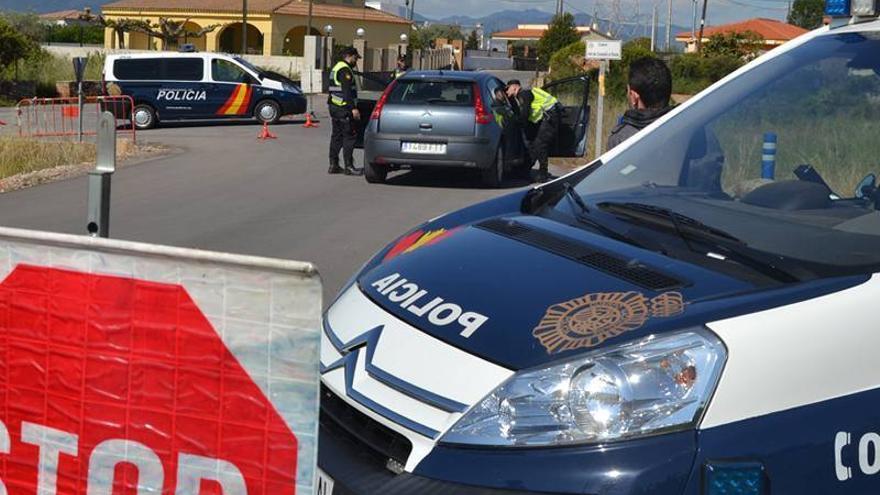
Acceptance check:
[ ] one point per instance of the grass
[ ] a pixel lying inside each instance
(843, 150)
(21, 155)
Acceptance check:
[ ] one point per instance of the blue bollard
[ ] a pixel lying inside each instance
(768, 156)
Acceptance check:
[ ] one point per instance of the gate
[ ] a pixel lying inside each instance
(58, 117)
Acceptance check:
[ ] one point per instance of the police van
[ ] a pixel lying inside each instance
(695, 312)
(176, 86)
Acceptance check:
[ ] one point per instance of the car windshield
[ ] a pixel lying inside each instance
(420, 92)
(817, 107)
(251, 67)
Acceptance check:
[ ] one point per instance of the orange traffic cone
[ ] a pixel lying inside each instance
(310, 122)
(265, 134)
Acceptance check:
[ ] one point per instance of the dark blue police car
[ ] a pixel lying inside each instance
(693, 313)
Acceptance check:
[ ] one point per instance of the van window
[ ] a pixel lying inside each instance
(184, 69)
(159, 69)
(226, 71)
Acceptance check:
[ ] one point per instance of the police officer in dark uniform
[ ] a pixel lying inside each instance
(344, 113)
(541, 113)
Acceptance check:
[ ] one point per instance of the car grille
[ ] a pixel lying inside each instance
(381, 440)
(633, 272)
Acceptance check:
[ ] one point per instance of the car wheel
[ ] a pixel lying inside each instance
(494, 175)
(144, 117)
(267, 112)
(375, 173)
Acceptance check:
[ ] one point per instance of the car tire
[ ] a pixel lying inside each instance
(494, 175)
(144, 117)
(375, 173)
(267, 112)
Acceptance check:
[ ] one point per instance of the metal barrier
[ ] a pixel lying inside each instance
(58, 117)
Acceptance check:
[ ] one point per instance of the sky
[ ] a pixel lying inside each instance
(719, 11)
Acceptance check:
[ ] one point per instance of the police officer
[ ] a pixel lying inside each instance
(344, 113)
(401, 68)
(541, 113)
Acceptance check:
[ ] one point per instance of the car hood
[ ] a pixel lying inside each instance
(521, 291)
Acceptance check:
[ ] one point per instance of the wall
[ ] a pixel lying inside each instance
(273, 27)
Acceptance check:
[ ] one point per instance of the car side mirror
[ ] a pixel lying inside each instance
(866, 187)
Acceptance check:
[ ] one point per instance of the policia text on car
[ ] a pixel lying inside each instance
(541, 114)
(344, 113)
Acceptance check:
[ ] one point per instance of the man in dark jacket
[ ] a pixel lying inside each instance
(344, 113)
(649, 89)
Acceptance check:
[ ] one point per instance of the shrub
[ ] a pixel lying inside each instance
(692, 73)
(567, 62)
(560, 34)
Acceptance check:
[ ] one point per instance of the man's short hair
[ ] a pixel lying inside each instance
(651, 79)
(513, 82)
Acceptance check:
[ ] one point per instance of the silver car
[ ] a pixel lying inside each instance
(462, 119)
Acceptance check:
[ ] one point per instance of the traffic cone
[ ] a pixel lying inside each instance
(265, 134)
(310, 122)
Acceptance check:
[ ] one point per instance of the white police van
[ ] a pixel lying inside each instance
(694, 313)
(177, 86)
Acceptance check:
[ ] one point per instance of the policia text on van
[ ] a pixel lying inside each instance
(177, 86)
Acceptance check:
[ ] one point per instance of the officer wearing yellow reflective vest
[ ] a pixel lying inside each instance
(344, 113)
(541, 113)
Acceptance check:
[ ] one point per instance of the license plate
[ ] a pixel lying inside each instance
(424, 148)
(324, 485)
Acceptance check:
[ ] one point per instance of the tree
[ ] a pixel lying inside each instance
(14, 46)
(27, 24)
(807, 14)
(424, 37)
(560, 34)
(169, 31)
(122, 26)
(473, 41)
(746, 45)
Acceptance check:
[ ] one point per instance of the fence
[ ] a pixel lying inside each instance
(59, 117)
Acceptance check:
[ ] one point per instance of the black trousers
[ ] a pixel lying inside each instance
(343, 137)
(548, 129)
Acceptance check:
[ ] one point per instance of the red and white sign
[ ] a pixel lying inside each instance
(114, 384)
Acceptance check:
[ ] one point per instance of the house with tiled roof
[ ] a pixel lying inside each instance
(61, 17)
(533, 32)
(772, 31)
(274, 27)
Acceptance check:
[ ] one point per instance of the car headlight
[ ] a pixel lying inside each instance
(651, 385)
(290, 88)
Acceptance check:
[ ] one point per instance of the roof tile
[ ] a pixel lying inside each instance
(769, 29)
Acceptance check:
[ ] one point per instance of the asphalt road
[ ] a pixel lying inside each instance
(222, 189)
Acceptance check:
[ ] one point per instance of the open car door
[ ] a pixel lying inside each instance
(370, 88)
(574, 95)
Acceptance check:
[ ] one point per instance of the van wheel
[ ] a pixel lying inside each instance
(267, 112)
(144, 117)
(375, 173)
(494, 175)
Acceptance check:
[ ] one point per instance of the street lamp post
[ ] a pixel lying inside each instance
(244, 12)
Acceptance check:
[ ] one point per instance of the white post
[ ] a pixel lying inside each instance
(600, 107)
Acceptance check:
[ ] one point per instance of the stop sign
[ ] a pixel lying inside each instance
(111, 385)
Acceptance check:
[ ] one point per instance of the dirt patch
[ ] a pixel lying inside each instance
(127, 153)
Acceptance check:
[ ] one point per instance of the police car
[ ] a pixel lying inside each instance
(176, 86)
(693, 313)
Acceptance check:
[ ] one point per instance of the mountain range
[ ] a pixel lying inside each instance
(497, 21)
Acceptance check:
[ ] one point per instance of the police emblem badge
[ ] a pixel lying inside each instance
(589, 320)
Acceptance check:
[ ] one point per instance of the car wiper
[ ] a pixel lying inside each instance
(583, 215)
(725, 246)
